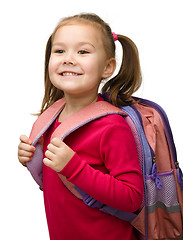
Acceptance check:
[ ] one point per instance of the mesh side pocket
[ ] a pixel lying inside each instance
(165, 198)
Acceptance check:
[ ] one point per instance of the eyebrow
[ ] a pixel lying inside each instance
(79, 44)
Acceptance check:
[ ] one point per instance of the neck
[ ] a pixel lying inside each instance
(74, 104)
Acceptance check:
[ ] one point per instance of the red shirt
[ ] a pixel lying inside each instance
(105, 166)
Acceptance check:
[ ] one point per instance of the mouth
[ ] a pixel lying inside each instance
(70, 74)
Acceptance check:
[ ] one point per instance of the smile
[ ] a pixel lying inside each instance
(69, 74)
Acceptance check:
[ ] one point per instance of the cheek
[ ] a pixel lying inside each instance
(91, 66)
(52, 66)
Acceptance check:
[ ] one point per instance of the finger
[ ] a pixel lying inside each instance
(52, 148)
(48, 162)
(23, 153)
(56, 142)
(24, 160)
(25, 139)
(26, 147)
(50, 155)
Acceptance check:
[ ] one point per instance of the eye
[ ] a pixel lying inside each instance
(59, 51)
(83, 52)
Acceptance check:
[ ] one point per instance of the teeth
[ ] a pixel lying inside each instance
(69, 74)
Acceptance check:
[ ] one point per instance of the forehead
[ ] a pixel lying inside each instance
(78, 33)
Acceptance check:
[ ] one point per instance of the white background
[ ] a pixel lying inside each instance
(156, 28)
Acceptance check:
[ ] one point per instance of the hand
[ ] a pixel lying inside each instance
(57, 155)
(25, 150)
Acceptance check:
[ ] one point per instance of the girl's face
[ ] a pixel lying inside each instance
(78, 61)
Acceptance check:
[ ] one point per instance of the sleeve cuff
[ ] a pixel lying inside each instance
(73, 168)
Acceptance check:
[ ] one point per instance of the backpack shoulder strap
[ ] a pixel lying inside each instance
(84, 116)
(45, 120)
(77, 120)
(39, 127)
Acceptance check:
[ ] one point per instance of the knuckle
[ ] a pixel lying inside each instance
(23, 138)
(53, 140)
(56, 141)
(47, 154)
(28, 148)
(22, 146)
(49, 146)
(24, 160)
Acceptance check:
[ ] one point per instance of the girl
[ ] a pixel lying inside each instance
(101, 157)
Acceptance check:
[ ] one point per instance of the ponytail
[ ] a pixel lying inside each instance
(128, 79)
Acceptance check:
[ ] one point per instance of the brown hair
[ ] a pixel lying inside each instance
(120, 87)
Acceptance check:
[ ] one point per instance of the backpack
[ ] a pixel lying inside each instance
(161, 213)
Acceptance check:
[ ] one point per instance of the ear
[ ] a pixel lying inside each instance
(109, 68)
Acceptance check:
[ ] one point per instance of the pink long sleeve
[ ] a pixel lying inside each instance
(117, 180)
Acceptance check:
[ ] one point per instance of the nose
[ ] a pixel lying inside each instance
(69, 59)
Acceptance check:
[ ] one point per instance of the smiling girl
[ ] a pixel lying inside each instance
(100, 157)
